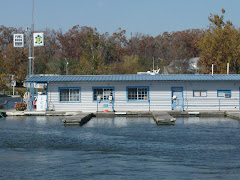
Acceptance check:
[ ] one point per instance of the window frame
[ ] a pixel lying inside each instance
(137, 100)
(101, 87)
(200, 91)
(59, 94)
(224, 91)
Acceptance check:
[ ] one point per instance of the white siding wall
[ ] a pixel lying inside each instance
(211, 102)
(159, 95)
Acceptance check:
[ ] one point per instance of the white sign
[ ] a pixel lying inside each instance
(18, 40)
(38, 39)
(13, 83)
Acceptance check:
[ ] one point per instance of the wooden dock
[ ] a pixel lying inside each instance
(163, 118)
(79, 119)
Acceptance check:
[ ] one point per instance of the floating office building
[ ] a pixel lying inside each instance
(140, 92)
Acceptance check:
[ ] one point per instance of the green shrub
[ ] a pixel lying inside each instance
(1, 106)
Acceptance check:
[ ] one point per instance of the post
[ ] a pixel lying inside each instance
(13, 83)
(98, 101)
(97, 105)
(112, 103)
(219, 105)
(30, 69)
(66, 66)
(31, 86)
(227, 68)
(149, 106)
(212, 70)
(32, 30)
(153, 63)
(29, 41)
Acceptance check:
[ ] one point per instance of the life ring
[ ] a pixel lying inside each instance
(26, 96)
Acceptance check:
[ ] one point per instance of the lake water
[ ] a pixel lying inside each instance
(119, 148)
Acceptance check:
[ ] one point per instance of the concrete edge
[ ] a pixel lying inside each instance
(231, 114)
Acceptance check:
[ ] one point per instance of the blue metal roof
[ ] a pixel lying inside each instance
(133, 77)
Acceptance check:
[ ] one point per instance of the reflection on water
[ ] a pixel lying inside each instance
(119, 148)
(118, 121)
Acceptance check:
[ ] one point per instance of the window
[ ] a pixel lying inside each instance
(224, 93)
(69, 94)
(199, 93)
(137, 93)
(103, 92)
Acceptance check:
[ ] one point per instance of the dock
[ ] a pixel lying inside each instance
(233, 115)
(160, 117)
(78, 119)
(163, 118)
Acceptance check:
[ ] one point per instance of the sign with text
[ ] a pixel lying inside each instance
(38, 39)
(18, 40)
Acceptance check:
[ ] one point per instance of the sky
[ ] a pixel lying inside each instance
(149, 17)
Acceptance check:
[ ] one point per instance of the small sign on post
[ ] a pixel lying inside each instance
(18, 40)
(38, 39)
(13, 83)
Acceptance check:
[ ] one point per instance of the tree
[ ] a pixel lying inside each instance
(6, 36)
(4, 79)
(15, 62)
(219, 46)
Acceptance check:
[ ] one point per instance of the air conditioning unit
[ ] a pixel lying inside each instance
(227, 95)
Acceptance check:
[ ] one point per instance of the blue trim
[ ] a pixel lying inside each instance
(172, 97)
(138, 100)
(224, 91)
(105, 87)
(69, 88)
(200, 92)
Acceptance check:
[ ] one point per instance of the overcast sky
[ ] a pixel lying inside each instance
(151, 17)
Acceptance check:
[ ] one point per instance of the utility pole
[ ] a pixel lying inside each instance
(32, 32)
(31, 91)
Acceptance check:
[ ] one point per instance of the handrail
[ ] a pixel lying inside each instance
(187, 103)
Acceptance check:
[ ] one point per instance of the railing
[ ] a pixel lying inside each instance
(8, 93)
(219, 103)
(185, 104)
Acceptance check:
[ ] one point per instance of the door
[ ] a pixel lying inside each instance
(177, 98)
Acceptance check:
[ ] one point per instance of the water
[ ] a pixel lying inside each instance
(11, 101)
(119, 148)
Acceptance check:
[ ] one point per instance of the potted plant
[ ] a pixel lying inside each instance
(20, 106)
